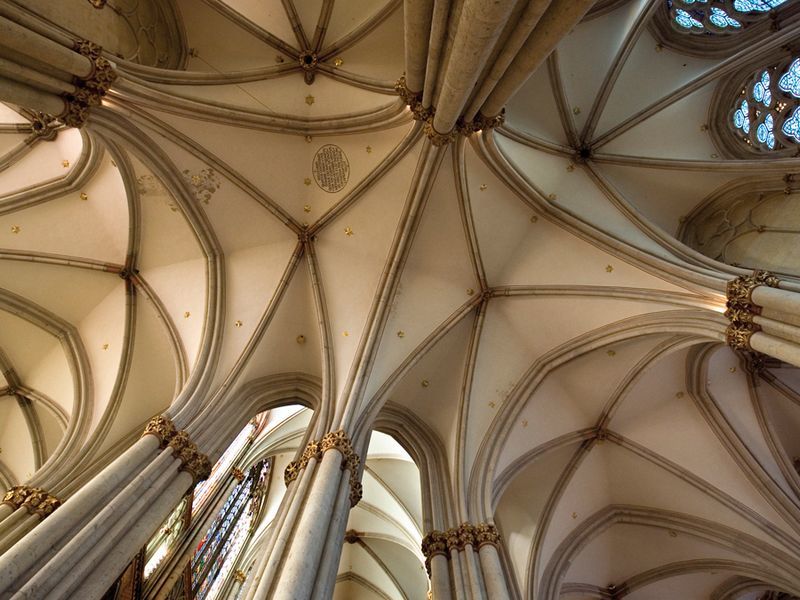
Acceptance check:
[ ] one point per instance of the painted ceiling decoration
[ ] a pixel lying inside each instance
(396, 299)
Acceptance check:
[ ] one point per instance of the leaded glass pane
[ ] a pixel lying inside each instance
(789, 82)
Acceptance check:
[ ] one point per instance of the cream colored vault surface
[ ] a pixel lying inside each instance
(533, 312)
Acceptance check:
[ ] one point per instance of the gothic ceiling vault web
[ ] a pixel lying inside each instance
(261, 212)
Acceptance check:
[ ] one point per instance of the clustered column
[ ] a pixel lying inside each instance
(464, 563)
(303, 557)
(62, 78)
(764, 314)
(81, 549)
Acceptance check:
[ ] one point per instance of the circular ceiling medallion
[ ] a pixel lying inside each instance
(331, 169)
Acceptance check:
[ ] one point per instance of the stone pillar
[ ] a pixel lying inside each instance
(418, 15)
(83, 547)
(326, 474)
(468, 576)
(44, 75)
(558, 20)
(479, 26)
(26, 507)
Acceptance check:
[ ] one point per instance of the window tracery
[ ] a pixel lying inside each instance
(764, 115)
(711, 17)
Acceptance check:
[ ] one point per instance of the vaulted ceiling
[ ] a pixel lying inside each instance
(544, 321)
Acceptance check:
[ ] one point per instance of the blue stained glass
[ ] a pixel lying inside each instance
(761, 90)
(693, 1)
(721, 19)
(765, 132)
(685, 20)
(756, 5)
(791, 126)
(789, 82)
(741, 117)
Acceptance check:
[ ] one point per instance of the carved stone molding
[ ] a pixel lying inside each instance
(89, 90)
(237, 474)
(162, 428)
(741, 310)
(333, 440)
(458, 538)
(193, 461)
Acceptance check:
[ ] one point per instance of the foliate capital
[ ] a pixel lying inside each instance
(162, 428)
(739, 290)
(15, 496)
(89, 90)
(486, 533)
(192, 460)
(738, 335)
(39, 502)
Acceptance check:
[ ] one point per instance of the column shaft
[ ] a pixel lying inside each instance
(776, 347)
(479, 27)
(43, 49)
(493, 575)
(440, 578)
(559, 19)
(776, 299)
(29, 97)
(304, 555)
(418, 15)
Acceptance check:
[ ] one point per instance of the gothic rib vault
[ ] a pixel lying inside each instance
(505, 293)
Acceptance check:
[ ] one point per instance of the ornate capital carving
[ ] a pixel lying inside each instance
(458, 538)
(333, 440)
(486, 533)
(738, 335)
(238, 575)
(89, 90)
(356, 491)
(740, 308)
(16, 496)
(193, 461)
(237, 474)
(436, 138)
(39, 502)
(740, 289)
(162, 428)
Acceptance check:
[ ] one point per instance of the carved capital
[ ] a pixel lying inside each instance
(738, 335)
(237, 474)
(192, 460)
(434, 543)
(291, 472)
(356, 492)
(486, 533)
(479, 123)
(39, 502)
(162, 428)
(16, 496)
(739, 290)
(436, 138)
(238, 575)
(89, 90)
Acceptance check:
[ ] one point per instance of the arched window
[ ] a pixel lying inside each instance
(219, 548)
(761, 111)
(718, 16)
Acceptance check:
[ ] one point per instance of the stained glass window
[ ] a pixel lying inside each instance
(717, 16)
(217, 551)
(161, 543)
(789, 82)
(765, 113)
(205, 488)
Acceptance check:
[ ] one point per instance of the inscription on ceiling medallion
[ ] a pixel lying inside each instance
(331, 169)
